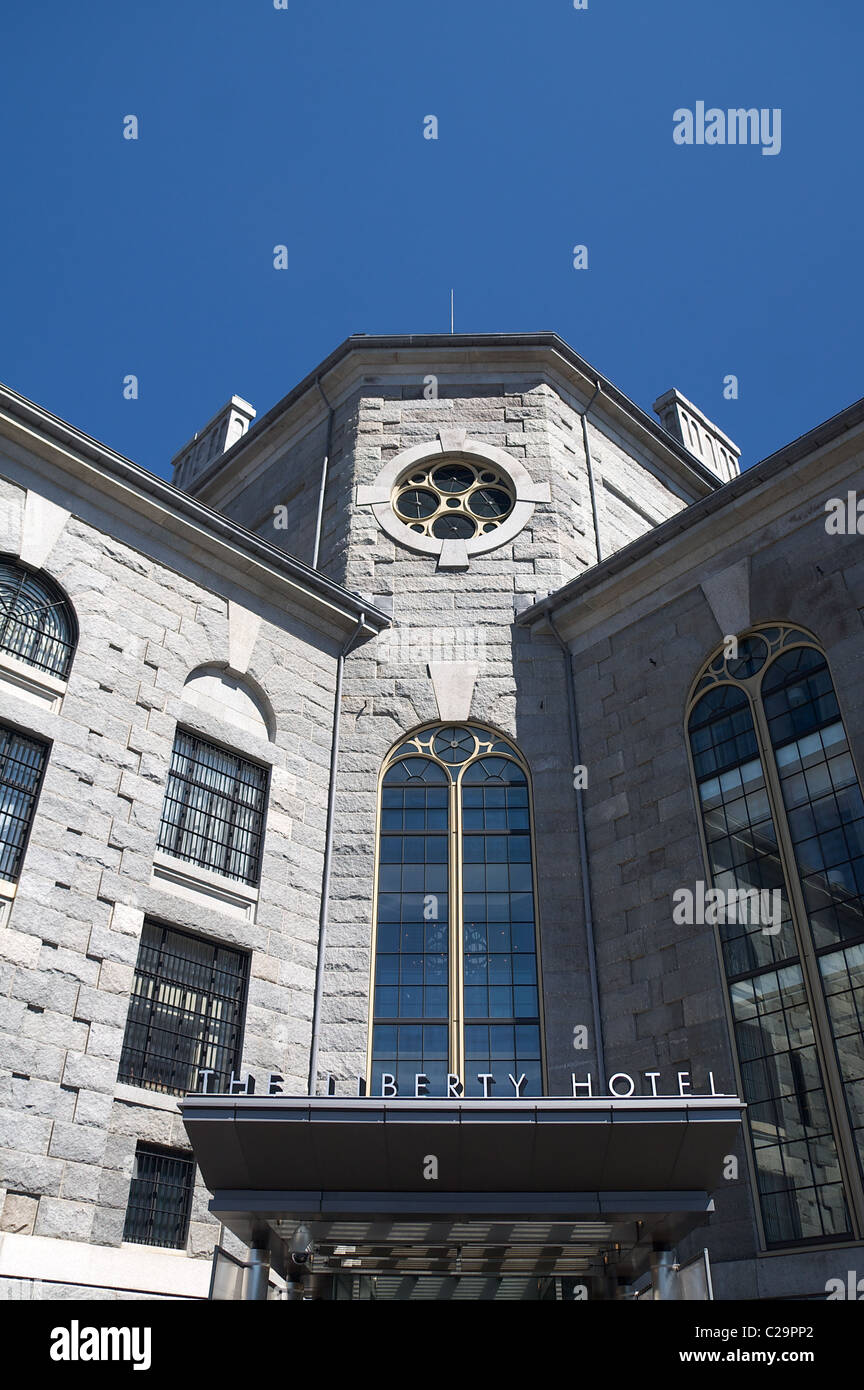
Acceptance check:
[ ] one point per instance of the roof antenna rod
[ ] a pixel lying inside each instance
(451, 311)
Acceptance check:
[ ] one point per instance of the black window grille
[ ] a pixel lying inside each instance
(213, 814)
(36, 621)
(160, 1197)
(185, 1013)
(22, 761)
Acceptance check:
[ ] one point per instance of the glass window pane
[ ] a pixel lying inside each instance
(504, 952)
(37, 625)
(185, 1013)
(160, 1197)
(782, 1082)
(213, 811)
(22, 762)
(497, 907)
(412, 891)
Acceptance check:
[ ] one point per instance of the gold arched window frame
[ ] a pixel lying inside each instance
(725, 668)
(489, 742)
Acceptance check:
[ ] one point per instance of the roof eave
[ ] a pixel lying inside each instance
(798, 450)
(533, 344)
(37, 430)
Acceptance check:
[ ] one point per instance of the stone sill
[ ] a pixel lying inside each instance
(204, 887)
(28, 683)
(165, 1252)
(789, 1251)
(7, 897)
(137, 1268)
(142, 1095)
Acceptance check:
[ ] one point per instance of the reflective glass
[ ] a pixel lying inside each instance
(411, 958)
(498, 930)
(794, 1146)
(495, 917)
(825, 812)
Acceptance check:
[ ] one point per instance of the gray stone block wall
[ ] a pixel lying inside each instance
(521, 686)
(69, 947)
(662, 988)
(533, 419)
(291, 480)
(148, 617)
(520, 689)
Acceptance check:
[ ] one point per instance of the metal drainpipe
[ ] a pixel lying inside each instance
(324, 912)
(325, 468)
(257, 1274)
(583, 849)
(663, 1271)
(589, 461)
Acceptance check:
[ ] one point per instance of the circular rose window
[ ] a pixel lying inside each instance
(453, 501)
(453, 498)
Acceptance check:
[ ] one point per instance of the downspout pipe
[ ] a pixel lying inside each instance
(590, 464)
(324, 911)
(584, 864)
(325, 469)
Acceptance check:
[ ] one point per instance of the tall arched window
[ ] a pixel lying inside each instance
(37, 625)
(455, 988)
(783, 821)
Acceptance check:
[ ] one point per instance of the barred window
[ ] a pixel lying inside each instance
(185, 1014)
(37, 624)
(160, 1197)
(22, 761)
(213, 814)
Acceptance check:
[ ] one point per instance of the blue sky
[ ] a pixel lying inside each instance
(304, 127)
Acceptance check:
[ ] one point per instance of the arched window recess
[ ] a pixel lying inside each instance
(782, 822)
(455, 989)
(37, 624)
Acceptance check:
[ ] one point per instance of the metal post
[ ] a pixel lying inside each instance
(324, 909)
(257, 1274)
(663, 1267)
(584, 865)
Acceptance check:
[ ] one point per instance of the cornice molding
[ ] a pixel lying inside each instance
(230, 549)
(366, 360)
(707, 536)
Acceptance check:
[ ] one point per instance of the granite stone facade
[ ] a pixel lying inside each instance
(640, 630)
(634, 568)
(152, 608)
(469, 617)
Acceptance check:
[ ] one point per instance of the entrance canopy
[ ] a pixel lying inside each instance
(538, 1187)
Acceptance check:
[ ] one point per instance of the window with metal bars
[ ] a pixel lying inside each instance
(22, 762)
(213, 813)
(160, 1197)
(185, 1014)
(37, 624)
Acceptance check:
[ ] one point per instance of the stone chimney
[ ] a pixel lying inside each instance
(227, 426)
(685, 421)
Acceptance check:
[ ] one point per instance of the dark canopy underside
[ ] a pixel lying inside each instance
(530, 1187)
